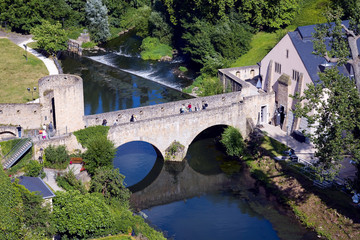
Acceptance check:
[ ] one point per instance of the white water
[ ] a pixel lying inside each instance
(123, 53)
(149, 74)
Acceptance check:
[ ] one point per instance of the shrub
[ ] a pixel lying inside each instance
(183, 69)
(56, 157)
(69, 182)
(85, 135)
(100, 153)
(33, 169)
(110, 183)
(79, 216)
(171, 151)
(88, 44)
(233, 141)
(152, 49)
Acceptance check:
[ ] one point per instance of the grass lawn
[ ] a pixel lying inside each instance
(17, 74)
(311, 12)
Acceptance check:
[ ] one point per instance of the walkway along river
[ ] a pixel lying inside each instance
(181, 202)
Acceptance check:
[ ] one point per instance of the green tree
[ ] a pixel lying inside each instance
(110, 183)
(332, 108)
(232, 140)
(51, 38)
(97, 20)
(207, 9)
(269, 14)
(33, 169)
(10, 209)
(159, 28)
(35, 214)
(100, 153)
(342, 48)
(81, 216)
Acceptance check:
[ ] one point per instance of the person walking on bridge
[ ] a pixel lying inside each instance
(19, 128)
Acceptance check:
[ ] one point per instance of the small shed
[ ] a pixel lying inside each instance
(36, 184)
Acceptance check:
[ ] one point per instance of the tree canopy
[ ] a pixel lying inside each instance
(97, 20)
(342, 47)
(233, 141)
(332, 108)
(50, 37)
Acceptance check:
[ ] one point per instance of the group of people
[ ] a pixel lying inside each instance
(189, 107)
(44, 133)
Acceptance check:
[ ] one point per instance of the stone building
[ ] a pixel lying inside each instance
(61, 102)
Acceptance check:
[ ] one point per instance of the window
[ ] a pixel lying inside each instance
(296, 75)
(287, 53)
(277, 67)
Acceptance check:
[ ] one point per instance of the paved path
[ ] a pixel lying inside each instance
(49, 63)
(20, 40)
(306, 151)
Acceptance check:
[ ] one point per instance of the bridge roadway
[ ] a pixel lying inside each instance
(162, 124)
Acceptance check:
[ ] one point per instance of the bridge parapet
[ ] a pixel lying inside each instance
(163, 110)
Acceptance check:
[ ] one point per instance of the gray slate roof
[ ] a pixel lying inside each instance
(36, 184)
(302, 40)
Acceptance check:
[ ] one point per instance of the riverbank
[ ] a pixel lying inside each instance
(329, 212)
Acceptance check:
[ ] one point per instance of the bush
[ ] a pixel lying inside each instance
(56, 157)
(152, 49)
(171, 151)
(88, 44)
(85, 135)
(69, 182)
(183, 69)
(206, 86)
(110, 183)
(33, 169)
(100, 153)
(79, 216)
(233, 141)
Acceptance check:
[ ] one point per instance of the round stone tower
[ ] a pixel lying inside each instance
(62, 102)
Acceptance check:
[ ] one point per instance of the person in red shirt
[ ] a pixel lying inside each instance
(189, 107)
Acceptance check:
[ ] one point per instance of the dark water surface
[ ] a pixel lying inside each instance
(188, 200)
(119, 79)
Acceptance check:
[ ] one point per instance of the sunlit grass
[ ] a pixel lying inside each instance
(311, 12)
(17, 74)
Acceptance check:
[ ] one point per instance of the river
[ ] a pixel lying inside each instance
(189, 200)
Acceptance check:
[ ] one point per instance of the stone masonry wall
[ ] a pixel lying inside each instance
(67, 92)
(27, 115)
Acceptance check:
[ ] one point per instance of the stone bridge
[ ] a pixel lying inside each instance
(162, 124)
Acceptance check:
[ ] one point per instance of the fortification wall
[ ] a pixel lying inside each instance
(27, 115)
(63, 94)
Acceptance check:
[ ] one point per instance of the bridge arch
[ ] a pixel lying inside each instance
(140, 162)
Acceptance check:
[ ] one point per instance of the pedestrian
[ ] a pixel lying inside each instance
(19, 130)
(189, 107)
(104, 122)
(44, 134)
(183, 109)
(133, 118)
(44, 127)
(205, 105)
(51, 127)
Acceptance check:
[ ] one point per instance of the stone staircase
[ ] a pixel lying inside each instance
(16, 152)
